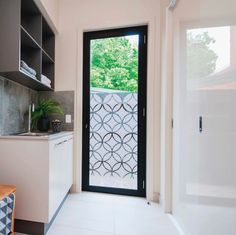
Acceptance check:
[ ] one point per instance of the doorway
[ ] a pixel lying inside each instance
(114, 111)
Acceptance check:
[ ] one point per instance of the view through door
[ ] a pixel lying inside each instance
(114, 111)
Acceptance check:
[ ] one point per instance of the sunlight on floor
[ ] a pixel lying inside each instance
(104, 214)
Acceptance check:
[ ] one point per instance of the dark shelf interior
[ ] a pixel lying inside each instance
(48, 39)
(25, 80)
(30, 53)
(26, 36)
(47, 56)
(31, 20)
(48, 68)
(27, 40)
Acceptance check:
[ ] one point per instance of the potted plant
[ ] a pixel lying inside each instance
(45, 108)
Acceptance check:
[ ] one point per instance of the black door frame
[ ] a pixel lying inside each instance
(142, 103)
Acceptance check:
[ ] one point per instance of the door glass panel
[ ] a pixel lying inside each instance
(211, 85)
(114, 112)
(204, 161)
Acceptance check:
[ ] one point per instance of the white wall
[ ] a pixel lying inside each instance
(166, 106)
(204, 185)
(49, 8)
(77, 16)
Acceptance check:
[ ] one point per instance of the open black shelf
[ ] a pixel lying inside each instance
(48, 39)
(26, 36)
(26, 80)
(30, 53)
(31, 19)
(48, 68)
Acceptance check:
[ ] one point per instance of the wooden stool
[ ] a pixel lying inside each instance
(6, 191)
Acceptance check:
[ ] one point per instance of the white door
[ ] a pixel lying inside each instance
(204, 165)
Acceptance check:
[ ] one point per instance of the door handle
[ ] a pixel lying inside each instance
(200, 124)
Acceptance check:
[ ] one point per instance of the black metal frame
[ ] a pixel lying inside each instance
(142, 100)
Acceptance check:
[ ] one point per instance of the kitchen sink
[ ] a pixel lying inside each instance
(36, 134)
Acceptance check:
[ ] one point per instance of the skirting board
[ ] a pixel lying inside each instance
(73, 189)
(35, 228)
(156, 197)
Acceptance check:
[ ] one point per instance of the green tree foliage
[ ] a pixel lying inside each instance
(114, 64)
(201, 60)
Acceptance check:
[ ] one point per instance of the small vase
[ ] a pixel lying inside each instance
(56, 125)
(43, 124)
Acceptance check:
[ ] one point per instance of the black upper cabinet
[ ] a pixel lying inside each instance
(26, 36)
(48, 39)
(31, 20)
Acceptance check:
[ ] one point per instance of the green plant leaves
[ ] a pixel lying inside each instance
(46, 107)
(114, 64)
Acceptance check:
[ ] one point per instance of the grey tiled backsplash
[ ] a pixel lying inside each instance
(66, 101)
(15, 100)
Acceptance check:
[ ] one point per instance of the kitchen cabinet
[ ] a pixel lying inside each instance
(60, 171)
(26, 36)
(42, 170)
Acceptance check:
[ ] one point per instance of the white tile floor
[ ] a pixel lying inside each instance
(103, 214)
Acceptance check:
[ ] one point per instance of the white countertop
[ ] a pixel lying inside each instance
(44, 137)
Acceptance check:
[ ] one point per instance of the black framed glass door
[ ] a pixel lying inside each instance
(114, 111)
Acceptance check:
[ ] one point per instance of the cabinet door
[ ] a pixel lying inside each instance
(60, 172)
(67, 159)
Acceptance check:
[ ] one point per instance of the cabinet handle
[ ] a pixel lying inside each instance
(200, 124)
(62, 142)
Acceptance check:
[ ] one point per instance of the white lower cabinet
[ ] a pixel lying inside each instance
(60, 171)
(41, 169)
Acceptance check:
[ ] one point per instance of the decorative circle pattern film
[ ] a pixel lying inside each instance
(113, 140)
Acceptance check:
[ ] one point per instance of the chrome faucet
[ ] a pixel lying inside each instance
(31, 109)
